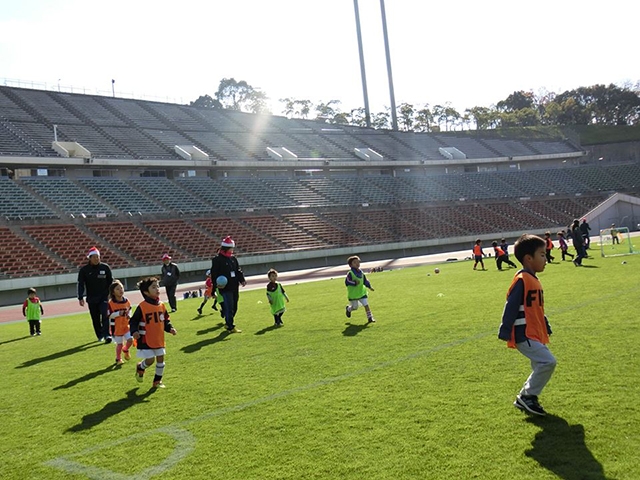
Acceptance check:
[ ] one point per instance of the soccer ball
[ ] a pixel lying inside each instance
(221, 281)
(437, 270)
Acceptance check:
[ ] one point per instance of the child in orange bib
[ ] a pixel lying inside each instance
(524, 325)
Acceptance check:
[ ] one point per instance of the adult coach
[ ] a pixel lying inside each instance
(225, 264)
(95, 277)
(169, 280)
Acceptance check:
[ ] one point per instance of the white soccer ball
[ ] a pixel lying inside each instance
(437, 270)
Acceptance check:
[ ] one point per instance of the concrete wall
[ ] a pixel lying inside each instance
(615, 152)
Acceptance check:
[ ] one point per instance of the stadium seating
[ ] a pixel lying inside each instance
(188, 238)
(139, 244)
(139, 210)
(247, 239)
(72, 244)
(67, 196)
(121, 195)
(16, 203)
(164, 191)
(19, 258)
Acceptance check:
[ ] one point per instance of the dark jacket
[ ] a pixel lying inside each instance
(170, 274)
(221, 265)
(96, 279)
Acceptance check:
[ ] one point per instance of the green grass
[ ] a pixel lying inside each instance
(425, 392)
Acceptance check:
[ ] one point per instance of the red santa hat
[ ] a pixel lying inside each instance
(93, 251)
(228, 242)
(166, 256)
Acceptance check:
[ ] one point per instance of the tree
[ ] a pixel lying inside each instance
(424, 119)
(205, 101)
(358, 117)
(381, 120)
(406, 113)
(241, 96)
(328, 111)
(516, 101)
(294, 108)
(451, 116)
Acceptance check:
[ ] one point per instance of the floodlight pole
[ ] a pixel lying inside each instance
(113, 88)
(394, 114)
(367, 112)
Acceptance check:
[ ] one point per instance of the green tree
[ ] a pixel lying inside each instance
(406, 114)
(239, 95)
(327, 111)
(424, 119)
(381, 120)
(516, 101)
(294, 108)
(205, 101)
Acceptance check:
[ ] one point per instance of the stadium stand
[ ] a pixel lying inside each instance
(135, 198)
(20, 258)
(123, 196)
(67, 196)
(71, 243)
(17, 204)
(136, 241)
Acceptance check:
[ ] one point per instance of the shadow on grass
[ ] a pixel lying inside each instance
(590, 266)
(63, 353)
(561, 449)
(210, 329)
(15, 339)
(111, 409)
(267, 329)
(205, 343)
(88, 376)
(352, 329)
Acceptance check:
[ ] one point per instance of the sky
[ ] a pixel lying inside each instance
(465, 52)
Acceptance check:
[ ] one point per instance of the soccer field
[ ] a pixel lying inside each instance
(425, 392)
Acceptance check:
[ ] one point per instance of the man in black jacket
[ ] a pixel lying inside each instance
(225, 264)
(170, 275)
(96, 278)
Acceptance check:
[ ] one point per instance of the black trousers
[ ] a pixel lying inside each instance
(171, 295)
(99, 318)
(34, 326)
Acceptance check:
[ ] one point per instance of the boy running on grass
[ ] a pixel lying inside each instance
(357, 285)
(148, 324)
(524, 325)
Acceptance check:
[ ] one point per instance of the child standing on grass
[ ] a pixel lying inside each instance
(357, 285)
(548, 246)
(276, 296)
(119, 311)
(208, 293)
(32, 309)
(564, 246)
(524, 325)
(478, 254)
(147, 325)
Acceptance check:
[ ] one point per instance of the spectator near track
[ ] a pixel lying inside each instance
(95, 277)
(169, 280)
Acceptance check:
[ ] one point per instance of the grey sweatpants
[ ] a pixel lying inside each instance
(543, 363)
